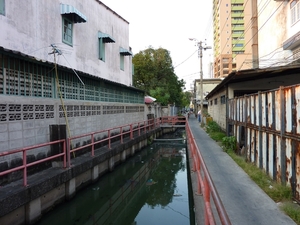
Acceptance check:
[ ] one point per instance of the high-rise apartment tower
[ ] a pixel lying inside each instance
(232, 36)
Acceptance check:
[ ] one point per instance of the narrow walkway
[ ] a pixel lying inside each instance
(244, 201)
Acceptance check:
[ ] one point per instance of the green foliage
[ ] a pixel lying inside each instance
(229, 143)
(212, 126)
(217, 136)
(186, 98)
(154, 73)
(293, 211)
(161, 96)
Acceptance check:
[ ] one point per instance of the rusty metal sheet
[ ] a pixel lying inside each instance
(273, 149)
(278, 160)
(289, 159)
(257, 110)
(256, 147)
(264, 110)
(264, 151)
(252, 109)
(270, 109)
(278, 103)
(297, 171)
(297, 102)
(248, 145)
(237, 109)
(288, 110)
(241, 109)
(248, 109)
(271, 155)
(252, 146)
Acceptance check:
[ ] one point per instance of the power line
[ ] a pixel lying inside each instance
(55, 50)
(262, 24)
(185, 59)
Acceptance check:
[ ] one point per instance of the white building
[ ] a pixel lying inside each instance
(278, 33)
(63, 63)
(92, 38)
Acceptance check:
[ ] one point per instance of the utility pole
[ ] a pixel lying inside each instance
(200, 47)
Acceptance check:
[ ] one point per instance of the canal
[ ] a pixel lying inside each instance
(152, 187)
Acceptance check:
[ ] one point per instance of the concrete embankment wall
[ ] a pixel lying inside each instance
(26, 205)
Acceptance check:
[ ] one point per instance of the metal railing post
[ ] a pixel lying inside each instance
(109, 140)
(93, 146)
(131, 132)
(68, 152)
(25, 168)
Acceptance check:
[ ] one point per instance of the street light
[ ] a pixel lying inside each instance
(200, 47)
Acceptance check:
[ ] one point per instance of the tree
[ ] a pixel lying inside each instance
(186, 99)
(154, 73)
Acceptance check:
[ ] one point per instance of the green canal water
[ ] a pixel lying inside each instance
(150, 188)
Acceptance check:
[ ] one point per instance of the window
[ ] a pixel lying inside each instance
(295, 11)
(238, 25)
(216, 101)
(101, 50)
(123, 53)
(2, 7)
(223, 99)
(238, 18)
(67, 31)
(238, 45)
(237, 11)
(121, 62)
(237, 5)
(238, 38)
(237, 31)
(238, 52)
(103, 39)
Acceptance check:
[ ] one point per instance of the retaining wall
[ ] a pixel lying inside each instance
(26, 205)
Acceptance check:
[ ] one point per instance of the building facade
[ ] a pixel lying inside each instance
(281, 21)
(208, 85)
(63, 63)
(231, 19)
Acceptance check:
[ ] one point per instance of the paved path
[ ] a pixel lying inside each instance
(243, 200)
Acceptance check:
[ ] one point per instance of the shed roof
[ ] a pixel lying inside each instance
(256, 74)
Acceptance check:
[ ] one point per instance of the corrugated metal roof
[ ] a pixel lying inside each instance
(106, 37)
(255, 74)
(75, 15)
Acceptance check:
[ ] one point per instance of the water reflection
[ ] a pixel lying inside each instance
(150, 188)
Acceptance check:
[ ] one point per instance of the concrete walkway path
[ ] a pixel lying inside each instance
(244, 201)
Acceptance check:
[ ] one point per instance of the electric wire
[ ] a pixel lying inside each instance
(264, 24)
(249, 26)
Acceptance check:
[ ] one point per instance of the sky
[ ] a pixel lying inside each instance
(169, 24)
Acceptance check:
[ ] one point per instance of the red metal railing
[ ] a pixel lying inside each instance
(25, 165)
(205, 184)
(109, 134)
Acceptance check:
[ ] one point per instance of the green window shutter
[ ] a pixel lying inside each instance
(101, 50)
(122, 62)
(2, 7)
